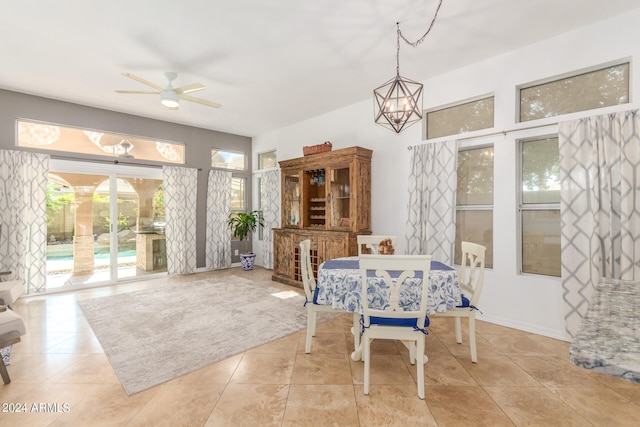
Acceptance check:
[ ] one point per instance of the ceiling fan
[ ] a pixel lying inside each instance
(169, 96)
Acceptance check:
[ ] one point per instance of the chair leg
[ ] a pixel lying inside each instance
(472, 338)
(4, 372)
(458, 324)
(6, 340)
(311, 329)
(356, 332)
(412, 352)
(314, 316)
(367, 362)
(420, 348)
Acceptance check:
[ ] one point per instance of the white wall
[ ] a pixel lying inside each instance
(526, 302)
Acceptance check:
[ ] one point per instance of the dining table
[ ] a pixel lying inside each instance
(339, 284)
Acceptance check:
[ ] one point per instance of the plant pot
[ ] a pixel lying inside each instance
(247, 261)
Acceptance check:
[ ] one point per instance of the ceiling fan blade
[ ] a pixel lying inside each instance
(189, 88)
(141, 80)
(139, 92)
(200, 101)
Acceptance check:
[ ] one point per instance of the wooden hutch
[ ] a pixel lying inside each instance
(325, 197)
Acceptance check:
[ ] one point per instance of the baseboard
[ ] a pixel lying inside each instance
(527, 327)
(205, 269)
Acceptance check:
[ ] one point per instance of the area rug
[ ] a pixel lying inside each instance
(155, 335)
(608, 340)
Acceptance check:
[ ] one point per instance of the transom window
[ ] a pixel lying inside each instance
(267, 160)
(226, 159)
(586, 91)
(460, 118)
(45, 136)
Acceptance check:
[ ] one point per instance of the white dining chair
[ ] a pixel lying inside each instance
(368, 244)
(393, 322)
(471, 279)
(309, 283)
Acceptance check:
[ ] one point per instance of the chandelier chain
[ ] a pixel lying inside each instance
(398, 102)
(421, 39)
(417, 42)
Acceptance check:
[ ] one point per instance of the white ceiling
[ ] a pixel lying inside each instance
(269, 63)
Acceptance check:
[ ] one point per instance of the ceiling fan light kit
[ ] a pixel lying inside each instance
(398, 102)
(169, 99)
(126, 146)
(169, 96)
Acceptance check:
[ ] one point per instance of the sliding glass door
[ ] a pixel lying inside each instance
(103, 226)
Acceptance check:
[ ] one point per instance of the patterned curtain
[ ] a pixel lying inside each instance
(431, 222)
(218, 245)
(180, 186)
(600, 213)
(270, 204)
(23, 217)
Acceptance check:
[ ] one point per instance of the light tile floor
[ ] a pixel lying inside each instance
(520, 379)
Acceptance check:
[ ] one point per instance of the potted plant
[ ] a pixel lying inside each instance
(241, 224)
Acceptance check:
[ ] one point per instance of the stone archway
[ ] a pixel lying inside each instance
(83, 187)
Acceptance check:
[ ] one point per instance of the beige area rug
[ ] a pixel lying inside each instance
(155, 335)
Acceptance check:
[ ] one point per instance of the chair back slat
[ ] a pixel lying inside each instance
(306, 269)
(471, 274)
(394, 271)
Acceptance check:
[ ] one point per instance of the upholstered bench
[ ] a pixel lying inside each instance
(11, 328)
(10, 291)
(11, 324)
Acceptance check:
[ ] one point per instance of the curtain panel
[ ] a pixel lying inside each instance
(431, 226)
(23, 217)
(218, 244)
(600, 210)
(270, 205)
(180, 190)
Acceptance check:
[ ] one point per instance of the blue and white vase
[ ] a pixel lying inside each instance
(247, 261)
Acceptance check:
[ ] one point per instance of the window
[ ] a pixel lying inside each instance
(474, 201)
(259, 185)
(224, 159)
(237, 194)
(540, 206)
(45, 136)
(267, 160)
(464, 117)
(601, 88)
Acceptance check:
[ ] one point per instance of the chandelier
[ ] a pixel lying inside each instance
(398, 102)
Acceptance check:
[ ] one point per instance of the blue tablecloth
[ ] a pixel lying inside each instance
(339, 285)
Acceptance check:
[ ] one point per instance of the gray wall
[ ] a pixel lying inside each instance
(198, 142)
